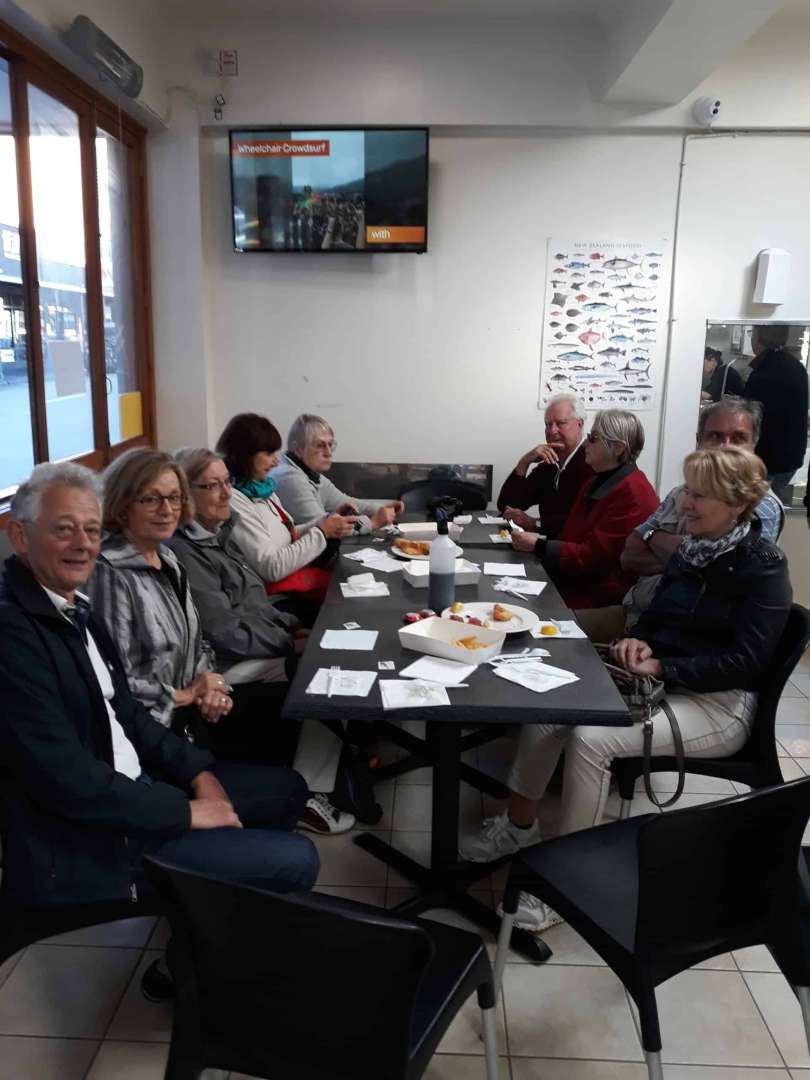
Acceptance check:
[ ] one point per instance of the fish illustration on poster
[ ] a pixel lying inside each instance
(608, 354)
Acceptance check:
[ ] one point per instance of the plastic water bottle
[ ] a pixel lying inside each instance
(442, 565)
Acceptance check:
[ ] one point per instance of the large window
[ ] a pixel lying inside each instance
(75, 339)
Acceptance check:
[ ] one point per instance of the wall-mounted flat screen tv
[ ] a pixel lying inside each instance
(337, 189)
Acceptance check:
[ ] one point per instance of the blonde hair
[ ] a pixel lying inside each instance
(618, 425)
(732, 475)
(126, 478)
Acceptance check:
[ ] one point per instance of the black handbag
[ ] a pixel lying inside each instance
(645, 696)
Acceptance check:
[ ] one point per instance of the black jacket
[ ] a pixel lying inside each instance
(65, 810)
(724, 380)
(717, 628)
(779, 381)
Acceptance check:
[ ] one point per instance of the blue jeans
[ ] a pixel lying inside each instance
(265, 853)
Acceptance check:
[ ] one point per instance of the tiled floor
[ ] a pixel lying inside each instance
(71, 1008)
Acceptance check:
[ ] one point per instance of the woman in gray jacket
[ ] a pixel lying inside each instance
(249, 632)
(308, 494)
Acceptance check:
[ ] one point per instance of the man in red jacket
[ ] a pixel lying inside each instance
(584, 560)
(560, 470)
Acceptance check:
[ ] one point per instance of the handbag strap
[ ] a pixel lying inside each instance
(677, 740)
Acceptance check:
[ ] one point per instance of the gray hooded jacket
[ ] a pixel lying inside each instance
(238, 617)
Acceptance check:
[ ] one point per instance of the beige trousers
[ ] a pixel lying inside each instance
(712, 725)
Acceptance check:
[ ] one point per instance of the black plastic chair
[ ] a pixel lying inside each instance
(659, 893)
(755, 764)
(470, 496)
(252, 968)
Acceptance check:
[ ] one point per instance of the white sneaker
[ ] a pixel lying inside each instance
(533, 915)
(497, 838)
(320, 816)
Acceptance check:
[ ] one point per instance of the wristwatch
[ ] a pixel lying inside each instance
(648, 534)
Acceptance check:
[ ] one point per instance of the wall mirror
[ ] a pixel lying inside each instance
(727, 366)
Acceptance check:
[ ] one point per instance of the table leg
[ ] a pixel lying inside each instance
(445, 883)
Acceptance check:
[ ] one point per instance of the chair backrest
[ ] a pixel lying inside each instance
(301, 985)
(792, 645)
(470, 496)
(716, 876)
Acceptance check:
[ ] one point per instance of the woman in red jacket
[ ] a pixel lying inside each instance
(584, 560)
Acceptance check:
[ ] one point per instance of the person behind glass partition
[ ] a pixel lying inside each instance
(778, 380)
(719, 379)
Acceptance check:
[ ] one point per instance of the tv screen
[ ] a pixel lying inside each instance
(340, 189)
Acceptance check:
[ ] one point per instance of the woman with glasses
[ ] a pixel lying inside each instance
(710, 633)
(251, 636)
(291, 559)
(584, 560)
(308, 494)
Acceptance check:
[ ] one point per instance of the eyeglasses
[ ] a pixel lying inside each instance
(216, 485)
(153, 501)
(325, 444)
(594, 437)
(70, 532)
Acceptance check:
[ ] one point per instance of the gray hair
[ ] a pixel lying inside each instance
(618, 425)
(732, 405)
(195, 460)
(577, 407)
(27, 501)
(303, 430)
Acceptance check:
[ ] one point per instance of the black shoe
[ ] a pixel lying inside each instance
(157, 986)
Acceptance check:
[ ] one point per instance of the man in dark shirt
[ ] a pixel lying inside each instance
(90, 781)
(559, 471)
(779, 381)
(719, 379)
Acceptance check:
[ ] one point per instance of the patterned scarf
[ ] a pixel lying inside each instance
(697, 551)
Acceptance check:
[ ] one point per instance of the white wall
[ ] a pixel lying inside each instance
(740, 195)
(433, 357)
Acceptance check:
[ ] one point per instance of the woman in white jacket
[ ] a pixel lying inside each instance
(291, 559)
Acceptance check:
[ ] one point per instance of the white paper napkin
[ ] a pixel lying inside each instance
(411, 694)
(499, 569)
(361, 555)
(523, 585)
(566, 628)
(344, 683)
(496, 538)
(488, 519)
(364, 640)
(363, 585)
(437, 670)
(462, 519)
(381, 560)
(535, 675)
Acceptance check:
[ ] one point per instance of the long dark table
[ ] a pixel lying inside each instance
(487, 701)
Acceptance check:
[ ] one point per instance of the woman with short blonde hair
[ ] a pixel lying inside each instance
(710, 634)
(735, 476)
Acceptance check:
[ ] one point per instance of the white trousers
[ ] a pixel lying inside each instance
(712, 725)
(317, 756)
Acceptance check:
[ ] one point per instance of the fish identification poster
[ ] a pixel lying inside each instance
(603, 321)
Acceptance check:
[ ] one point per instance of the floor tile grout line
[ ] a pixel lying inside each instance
(119, 1003)
(761, 1013)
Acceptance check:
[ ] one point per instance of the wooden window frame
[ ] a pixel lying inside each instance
(28, 64)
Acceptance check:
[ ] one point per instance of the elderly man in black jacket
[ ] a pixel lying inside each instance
(88, 780)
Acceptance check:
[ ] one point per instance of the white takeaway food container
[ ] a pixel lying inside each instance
(417, 572)
(435, 636)
(426, 530)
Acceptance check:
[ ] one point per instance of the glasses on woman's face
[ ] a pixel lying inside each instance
(215, 485)
(154, 500)
(594, 437)
(325, 446)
